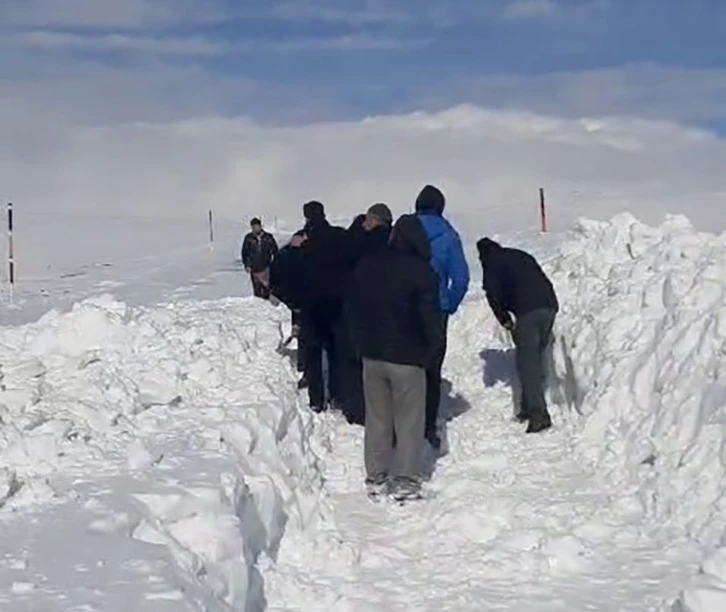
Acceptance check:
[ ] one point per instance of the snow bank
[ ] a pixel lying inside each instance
(707, 591)
(639, 353)
(187, 389)
(638, 373)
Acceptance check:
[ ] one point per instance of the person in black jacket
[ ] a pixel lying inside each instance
(516, 284)
(326, 263)
(258, 250)
(367, 234)
(370, 231)
(393, 313)
(285, 285)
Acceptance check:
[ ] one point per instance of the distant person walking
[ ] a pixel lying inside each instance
(449, 262)
(258, 250)
(392, 312)
(516, 284)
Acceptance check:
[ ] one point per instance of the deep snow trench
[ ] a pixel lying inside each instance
(159, 458)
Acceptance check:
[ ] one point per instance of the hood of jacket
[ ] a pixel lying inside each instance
(430, 200)
(435, 226)
(409, 236)
(487, 246)
(357, 224)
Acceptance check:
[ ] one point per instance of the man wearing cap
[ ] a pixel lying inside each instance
(449, 263)
(368, 234)
(392, 307)
(258, 250)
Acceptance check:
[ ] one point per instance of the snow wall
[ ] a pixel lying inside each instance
(640, 374)
(638, 378)
(184, 390)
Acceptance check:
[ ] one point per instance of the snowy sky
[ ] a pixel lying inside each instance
(311, 59)
(225, 90)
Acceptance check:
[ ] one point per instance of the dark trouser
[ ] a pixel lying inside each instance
(300, 342)
(433, 379)
(351, 377)
(318, 329)
(394, 400)
(259, 288)
(532, 333)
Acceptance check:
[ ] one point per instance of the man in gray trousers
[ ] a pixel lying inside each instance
(515, 283)
(392, 313)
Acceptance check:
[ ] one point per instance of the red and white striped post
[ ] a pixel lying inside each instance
(11, 251)
(542, 210)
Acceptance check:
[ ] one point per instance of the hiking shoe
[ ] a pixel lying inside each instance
(302, 383)
(523, 416)
(354, 419)
(317, 409)
(377, 485)
(403, 488)
(539, 422)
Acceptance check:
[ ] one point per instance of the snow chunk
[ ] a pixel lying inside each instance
(707, 591)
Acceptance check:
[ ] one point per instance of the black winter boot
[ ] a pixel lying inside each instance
(539, 422)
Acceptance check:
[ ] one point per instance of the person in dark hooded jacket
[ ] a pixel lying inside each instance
(515, 284)
(368, 234)
(393, 313)
(326, 265)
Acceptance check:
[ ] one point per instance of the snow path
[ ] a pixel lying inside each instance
(516, 523)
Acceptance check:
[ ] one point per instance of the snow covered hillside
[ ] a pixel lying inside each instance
(161, 452)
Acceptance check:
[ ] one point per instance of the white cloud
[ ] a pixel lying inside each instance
(490, 165)
(648, 91)
(196, 45)
(366, 14)
(361, 13)
(530, 9)
(108, 13)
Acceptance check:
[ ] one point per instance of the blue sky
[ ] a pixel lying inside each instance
(306, 60)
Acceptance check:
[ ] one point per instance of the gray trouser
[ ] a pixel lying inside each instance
(395, 398)
(532, 334)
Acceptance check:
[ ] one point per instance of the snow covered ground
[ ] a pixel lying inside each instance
(157, 457)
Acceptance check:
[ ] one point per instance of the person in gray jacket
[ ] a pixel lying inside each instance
(392, 311)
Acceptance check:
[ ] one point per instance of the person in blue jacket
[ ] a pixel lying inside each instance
(449, 263)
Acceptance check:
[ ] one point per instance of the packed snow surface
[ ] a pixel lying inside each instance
(159, 458)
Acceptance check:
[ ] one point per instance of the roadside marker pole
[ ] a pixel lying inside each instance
(211, 232)
(542, 210)
(11, 253)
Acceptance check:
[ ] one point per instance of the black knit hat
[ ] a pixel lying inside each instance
(430, 200)
(313, 210)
